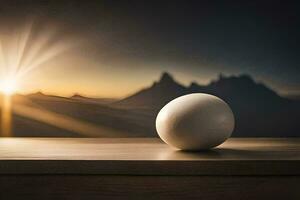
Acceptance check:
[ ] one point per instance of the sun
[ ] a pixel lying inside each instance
(8, 86)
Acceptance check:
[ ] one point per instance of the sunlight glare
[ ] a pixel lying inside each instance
(8, 86)
(26, 49)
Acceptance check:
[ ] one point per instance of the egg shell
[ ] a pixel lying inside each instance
(195, 121)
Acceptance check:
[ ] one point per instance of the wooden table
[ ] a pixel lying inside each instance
(51, 168)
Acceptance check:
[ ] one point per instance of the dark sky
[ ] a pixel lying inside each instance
(196, 40)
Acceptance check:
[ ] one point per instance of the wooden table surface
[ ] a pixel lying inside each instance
(150, 156)
(50, 168)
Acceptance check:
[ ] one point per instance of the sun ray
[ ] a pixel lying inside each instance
(29, 110)
(37, 49)
(45, 57)
(6, 116)
(24, 50)
(23, 43)
(2, 59)
(12, 53)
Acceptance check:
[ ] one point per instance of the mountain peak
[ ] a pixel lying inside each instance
(166, 77)
(76, 95)
(241, 77)
(194, 84)
(38, 93)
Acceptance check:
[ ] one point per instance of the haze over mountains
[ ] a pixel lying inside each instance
(259, 111)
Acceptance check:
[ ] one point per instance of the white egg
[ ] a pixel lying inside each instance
(195, 121)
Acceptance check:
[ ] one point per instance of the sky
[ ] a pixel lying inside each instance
(114, 48)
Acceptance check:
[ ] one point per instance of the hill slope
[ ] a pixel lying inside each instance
(258, 110)
(156, 95)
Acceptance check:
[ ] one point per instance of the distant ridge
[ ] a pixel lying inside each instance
(77, 95)
(39, 93)
(259, 111)
(293, 96)
(160, 92)
(166, 89)
(82, 98)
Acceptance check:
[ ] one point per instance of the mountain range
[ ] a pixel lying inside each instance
(259, 111)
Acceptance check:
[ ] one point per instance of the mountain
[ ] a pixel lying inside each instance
(81, 98)
(258, 110)
(293, 96)
(53, 116)
(155, 96)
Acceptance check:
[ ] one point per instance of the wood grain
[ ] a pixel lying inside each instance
(147, 157)
(150, 187)
(49, 168)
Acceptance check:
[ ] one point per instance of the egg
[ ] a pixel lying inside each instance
(195, 121)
